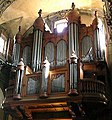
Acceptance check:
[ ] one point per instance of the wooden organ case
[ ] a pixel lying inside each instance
(65, 75)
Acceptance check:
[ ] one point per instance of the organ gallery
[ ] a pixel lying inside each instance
(59, 75)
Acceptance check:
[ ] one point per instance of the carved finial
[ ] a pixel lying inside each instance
(40, 12)
(19, 28)
(18, 36)
(21, 65)
(21, 59)
(74, 54)
(96, 13)
(73, 6)
(46, 58)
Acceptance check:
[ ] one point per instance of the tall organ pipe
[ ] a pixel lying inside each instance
(98, 53)
(73, 38)
(37, 43)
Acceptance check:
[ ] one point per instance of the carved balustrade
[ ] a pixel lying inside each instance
(91, 87)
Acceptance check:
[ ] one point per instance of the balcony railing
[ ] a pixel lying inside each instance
(9, 92)
(91, 86)
(86, 87)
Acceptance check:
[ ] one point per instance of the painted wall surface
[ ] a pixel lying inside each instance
(86, 19)
(110, 59)
(1, 100)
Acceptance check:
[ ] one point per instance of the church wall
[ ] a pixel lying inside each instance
(86, 19)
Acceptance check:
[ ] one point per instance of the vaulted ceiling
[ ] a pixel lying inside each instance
(23, 12)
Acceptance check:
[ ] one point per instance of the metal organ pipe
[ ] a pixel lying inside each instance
(70, 41)
(97, 41)
(73, 38)
(16, 53)
(40, 54)
(34, 52)
(37, 51)
(7, 48)
(33, 55)
(36, 55)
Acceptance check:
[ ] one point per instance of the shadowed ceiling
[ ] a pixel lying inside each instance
(23, 12)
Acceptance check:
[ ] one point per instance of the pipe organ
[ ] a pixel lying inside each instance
(61, 65)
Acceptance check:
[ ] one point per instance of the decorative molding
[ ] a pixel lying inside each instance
(107, 9)
(4, 4)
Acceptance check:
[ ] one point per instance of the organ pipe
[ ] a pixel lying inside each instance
(7, 47)
(16, 53)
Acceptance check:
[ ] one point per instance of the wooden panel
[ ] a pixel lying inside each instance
(89, 67)
(58, 81)
(31, 84)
